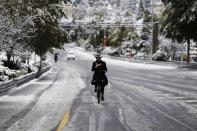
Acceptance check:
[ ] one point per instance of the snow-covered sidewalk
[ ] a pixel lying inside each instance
(150, 63)
(53, 103)
(41, 104)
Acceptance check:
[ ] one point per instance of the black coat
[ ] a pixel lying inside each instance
(99, 72)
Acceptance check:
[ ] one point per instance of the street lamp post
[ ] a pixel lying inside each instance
(155, 30)
(105, 38)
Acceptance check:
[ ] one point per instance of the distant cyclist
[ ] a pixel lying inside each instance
(56, 57)
(99, 67)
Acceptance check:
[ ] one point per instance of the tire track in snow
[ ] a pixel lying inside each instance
(25, 111)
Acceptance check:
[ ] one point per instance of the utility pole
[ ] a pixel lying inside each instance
(78, 32)
(155, 41)
(105, 38)
(155, 31)
(188, 51)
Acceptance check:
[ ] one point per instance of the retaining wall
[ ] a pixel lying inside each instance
(8, 85)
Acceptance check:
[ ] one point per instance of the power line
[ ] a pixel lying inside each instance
(104, 25)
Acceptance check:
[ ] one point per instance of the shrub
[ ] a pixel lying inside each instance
(160, 56)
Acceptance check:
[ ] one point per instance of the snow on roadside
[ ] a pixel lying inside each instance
(143, 66)
(2, 56)
(8, 74)
(21, 98)
(88, 56)
(82, 54)
(53, 103)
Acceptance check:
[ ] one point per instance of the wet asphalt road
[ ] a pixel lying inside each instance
(135, 100)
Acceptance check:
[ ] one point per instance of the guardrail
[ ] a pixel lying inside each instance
(8, 85)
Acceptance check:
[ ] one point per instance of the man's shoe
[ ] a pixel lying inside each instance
(102, 98)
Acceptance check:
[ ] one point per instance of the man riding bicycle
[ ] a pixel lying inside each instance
(99, 67)
(55, 57)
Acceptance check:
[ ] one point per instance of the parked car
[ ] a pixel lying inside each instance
(71, 56)
(194, 58)
(141, 56)
(159, 56)
(44, 57)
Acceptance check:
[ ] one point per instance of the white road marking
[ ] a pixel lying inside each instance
(73, 119)
(92, 123)
(174, 119)
(101, 126)
(94, 100)
(190, 101)
(179, 97)
(120, 112)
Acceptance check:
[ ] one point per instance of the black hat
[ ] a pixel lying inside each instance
(98, 56)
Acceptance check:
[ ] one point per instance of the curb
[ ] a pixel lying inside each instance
(190, 66)
(5, 87)
(176, 64)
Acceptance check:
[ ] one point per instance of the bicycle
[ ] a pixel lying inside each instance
(55, 58)
(99, 85)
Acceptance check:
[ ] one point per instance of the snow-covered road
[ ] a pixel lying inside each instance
(41, 104)
(139, 97)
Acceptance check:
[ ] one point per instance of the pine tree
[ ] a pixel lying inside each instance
(181, 22)
(48, 33)
(13, 31)
(140, 10)
(30, 24)
(146, 30)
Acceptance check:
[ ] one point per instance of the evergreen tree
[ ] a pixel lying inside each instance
(30, 24)
(140, 10)
(48, 33)
(146, 30)
(15, 27)
(181, 22)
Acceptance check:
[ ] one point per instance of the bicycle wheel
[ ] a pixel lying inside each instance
(99, 93)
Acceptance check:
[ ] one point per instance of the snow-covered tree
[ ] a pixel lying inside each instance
(147, 26)
(15, 27)
(30, 25)
(48, 33)
(181, 22)
(140, 12)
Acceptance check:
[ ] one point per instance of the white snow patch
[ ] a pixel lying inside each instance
(17, 98)
(143, 66)
(89, 56)
(53, 103)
